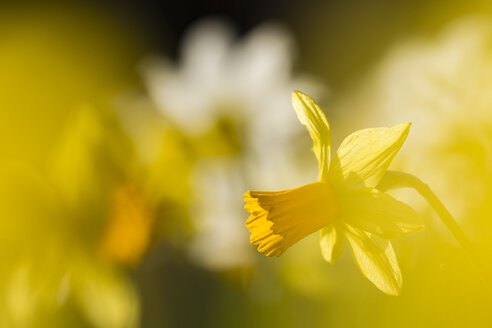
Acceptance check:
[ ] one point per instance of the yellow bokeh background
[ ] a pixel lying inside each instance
(122, 169)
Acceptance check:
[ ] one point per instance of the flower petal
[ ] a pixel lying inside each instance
(376, 259)
(364, 156)
(279, 219)
(379, 213)
(396, 180)
(332, 242)
(311, 116)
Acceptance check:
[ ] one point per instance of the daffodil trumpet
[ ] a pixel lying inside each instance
(344, 204)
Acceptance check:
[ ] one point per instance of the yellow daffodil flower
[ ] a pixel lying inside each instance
(344, 204)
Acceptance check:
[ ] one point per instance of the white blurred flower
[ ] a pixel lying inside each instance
(248, 81)
(440, 80)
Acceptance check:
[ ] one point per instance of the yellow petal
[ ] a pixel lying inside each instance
(376, 259)
(364, 156)
(279, 219)
(395, 180)
(379, 213)
(311, 116)
(74, 170)
(332, 242)
(106, 296)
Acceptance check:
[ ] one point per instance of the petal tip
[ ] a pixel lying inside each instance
(403, 126)
(393, 292)
(298, 95)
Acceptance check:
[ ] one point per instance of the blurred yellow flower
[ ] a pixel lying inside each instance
(344, 204)
(99, 207)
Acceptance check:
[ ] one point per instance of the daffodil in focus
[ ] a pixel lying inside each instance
(344, 204)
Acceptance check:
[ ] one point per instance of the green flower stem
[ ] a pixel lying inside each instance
(395, 180)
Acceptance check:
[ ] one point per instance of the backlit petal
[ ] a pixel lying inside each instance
(396, 180)
(379, 213)
(279, 219)
(376, 259)
(310, 115)
(364, 156)
(332, 242)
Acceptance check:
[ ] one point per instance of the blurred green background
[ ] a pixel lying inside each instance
(130, 130)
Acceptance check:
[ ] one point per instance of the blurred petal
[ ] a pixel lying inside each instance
(279, 219)
(129, 229)
(106, 297)
(376, 259)
(311, 116)
(74, 169)
(364, 156)
(332, 242)
(379, 213)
